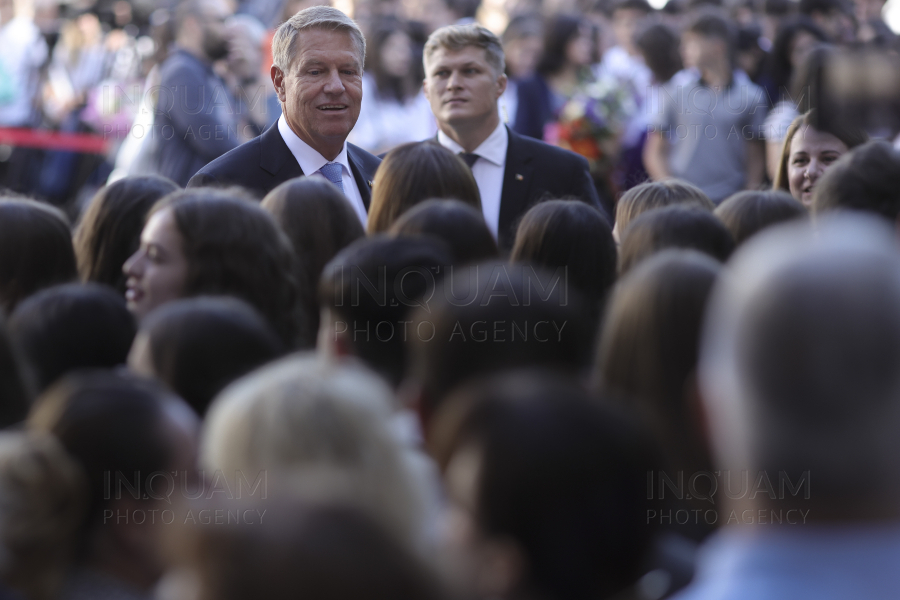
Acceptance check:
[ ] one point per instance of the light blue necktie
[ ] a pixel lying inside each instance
(333, 172)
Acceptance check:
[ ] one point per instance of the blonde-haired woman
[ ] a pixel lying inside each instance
(314, 428)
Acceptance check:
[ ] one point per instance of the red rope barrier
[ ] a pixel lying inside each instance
(54, 140)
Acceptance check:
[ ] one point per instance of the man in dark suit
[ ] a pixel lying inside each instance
(464, 79)
(319, 55)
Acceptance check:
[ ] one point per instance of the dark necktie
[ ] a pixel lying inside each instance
(469, 157)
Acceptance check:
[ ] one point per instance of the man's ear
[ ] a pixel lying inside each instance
(502, 81)
(425, 87)
(278, 81)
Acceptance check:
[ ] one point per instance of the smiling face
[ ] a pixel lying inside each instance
(463, 89)
(812, 151)
(321, 91)
(157, 272)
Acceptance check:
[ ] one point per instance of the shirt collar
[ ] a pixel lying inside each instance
(493, 149)
(308, 158)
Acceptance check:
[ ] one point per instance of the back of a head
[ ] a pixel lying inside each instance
(674, 227)
(113, 425)
(317, 219)
(747, 213)
(413, 173)
(650, 344)
(35, 250)
(320, 551)
(799, 361)
(233, 247)
(658, 194)
(560, 476)
(303, 415)
(69, 327)
(493, 317)
(43, 495)
(319, 222)
(197, 346)
(572, 235)
(110, 228)
(458, 224)
(369, 289)
(867, 178)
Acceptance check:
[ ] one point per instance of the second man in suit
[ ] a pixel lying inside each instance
(464, 79)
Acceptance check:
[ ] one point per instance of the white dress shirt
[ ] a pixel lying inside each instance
(488, 171)
(311, 161)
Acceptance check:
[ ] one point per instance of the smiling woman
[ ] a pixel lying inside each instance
(808, 151)
(212, 242)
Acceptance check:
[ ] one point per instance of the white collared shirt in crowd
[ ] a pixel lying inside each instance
(311, 161)
(488, 171)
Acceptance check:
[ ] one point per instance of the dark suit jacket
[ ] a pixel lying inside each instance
(535, 172)
(266, 161)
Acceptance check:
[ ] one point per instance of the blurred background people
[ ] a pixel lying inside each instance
(394, 109)
(569, 49)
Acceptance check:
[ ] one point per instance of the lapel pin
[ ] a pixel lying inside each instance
(519, 177)
(369, 182)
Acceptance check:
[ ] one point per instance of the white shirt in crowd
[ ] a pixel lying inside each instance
(311, 161)
(488, 171)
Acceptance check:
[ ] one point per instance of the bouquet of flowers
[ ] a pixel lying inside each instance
(592, 121)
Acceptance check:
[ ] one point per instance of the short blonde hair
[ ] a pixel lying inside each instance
(284, 44)
(457, 37)
(304, 420)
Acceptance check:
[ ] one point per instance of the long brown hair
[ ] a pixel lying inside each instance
(413, 173)
(649, 347)
(234, 248)
(35, 249)
(319, 222)
(110, 228)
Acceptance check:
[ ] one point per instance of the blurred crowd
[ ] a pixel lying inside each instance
(599, 78)
(680, 380)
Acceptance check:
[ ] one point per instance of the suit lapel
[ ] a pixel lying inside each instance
(361, 174)
(516, 183)
(275, 158)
